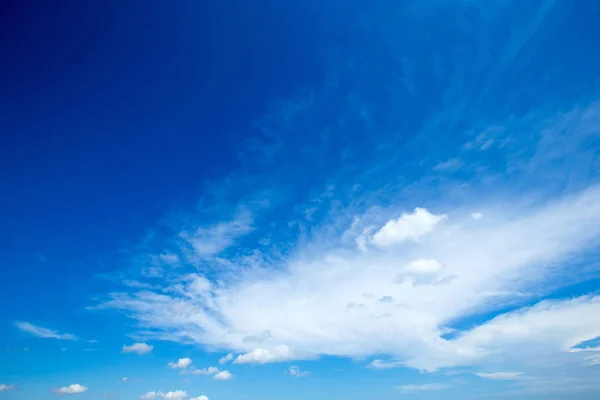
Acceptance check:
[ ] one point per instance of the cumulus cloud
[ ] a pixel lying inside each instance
(182, 363)
(226, 359)
(71, 389)
(335, 295)
(4, 387)
(140, 348)
(201, 397)
(174, 395)
(223, 376)
(263, 356)
(409, 226)
(43, 332)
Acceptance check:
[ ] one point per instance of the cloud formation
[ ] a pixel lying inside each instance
(182, 363)
(43, 332)
(4, 387)
(71, 389)
(173, 395)
(139, 348)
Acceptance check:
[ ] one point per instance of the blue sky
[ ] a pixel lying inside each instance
(264, 200)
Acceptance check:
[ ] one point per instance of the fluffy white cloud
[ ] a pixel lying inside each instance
(410, 226)
(399, 301)
(4, 387)
(226, 359)
(201, 397)
(223, 376)
(295, 371)
(501, 376)
(175, 395)
(182, 363)
(140, 348)
(43, 332)
(422, 387)
(263, 356)
(71, 389)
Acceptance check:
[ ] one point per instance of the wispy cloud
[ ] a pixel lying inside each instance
(43, 332)
(502, 376)
(71, 389)
(381, 244)
(4, 387)
(422, 387)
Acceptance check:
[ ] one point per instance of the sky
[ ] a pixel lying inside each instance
(237, 200)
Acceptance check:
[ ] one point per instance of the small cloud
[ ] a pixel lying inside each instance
(201, 397)
(422, 387)
(176, 395)
(71, 389)
(206, 371)
(410, 226)
(476, 215)
(4, 387)
(223, 376)
(226, 359)
(124, 379)
(264, 356)
(382, 364)
(92, 341)
(182, 363)
(295, 371)
(451, 164)
(501, 376)
(43, 332)
(140, 348)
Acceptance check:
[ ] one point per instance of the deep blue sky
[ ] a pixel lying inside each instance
(215, 177)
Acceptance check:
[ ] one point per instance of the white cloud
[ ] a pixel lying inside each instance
(44, 332)
(263, 356)
(175, 395)
(71, 389)
(208, 241)
(410, 226)
(501, 376)
(201, 397)
(295, 371)
(223, 376)
(182, 363)
(476, 215)
(4, 387)
(422, 387)
(382, 364)
(333, 292)
(124, 379)
(206, 371)
(226, 359)
(140, 348)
